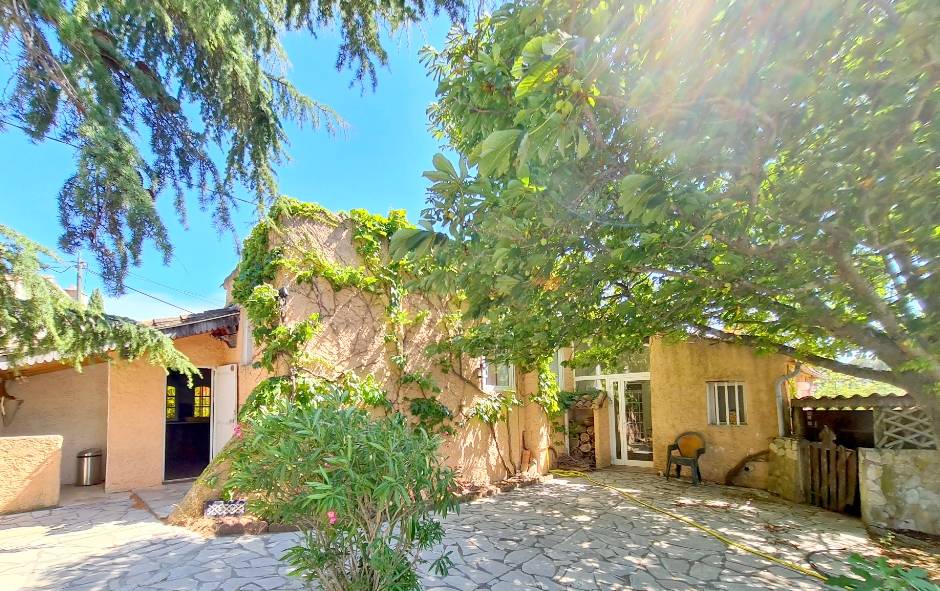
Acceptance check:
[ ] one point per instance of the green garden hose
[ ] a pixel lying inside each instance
(713, 533)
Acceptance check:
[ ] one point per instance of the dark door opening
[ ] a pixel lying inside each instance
(188, 418)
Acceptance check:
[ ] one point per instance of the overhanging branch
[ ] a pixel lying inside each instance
(868, 373)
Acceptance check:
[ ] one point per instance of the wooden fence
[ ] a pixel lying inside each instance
(830, 472)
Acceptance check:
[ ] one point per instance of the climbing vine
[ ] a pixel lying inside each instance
(378, 274)
(546, 396)
(492, 410)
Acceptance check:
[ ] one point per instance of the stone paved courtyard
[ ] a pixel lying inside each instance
(565, 534)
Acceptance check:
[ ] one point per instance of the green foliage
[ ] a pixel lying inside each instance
(287, 207)
(259, 262)
(836, 384)
(494, 408)
(282, 340)
(36, 317)
(363, 491)
(422, 380)
(638, 168)
(191, 79)
(432, 415)
(379, 274)
(878, 575)
(310, 265)
(349, 390)
(547, 395)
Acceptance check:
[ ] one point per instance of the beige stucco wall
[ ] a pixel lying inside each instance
(602, 452)
(68, 403)
(900, 488)
(352, 339)
(137, 413)
(678, 376)
(30, 472)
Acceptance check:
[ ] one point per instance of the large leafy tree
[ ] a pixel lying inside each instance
(36, 317)
(151, 93)
(147, 91)
(759, 173)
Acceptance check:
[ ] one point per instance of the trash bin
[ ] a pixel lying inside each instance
(89, 467)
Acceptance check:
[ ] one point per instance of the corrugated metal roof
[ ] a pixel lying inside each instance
(32, 360)
(867, 401)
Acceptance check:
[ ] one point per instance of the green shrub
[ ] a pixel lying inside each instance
(364, 491)
(878, 575)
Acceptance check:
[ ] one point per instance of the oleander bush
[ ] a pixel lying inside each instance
(365, 492)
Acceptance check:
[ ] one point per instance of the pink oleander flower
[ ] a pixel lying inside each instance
(237, 431)
(331, 515)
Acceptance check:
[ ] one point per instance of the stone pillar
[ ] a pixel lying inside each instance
(900, 488)
(784, 476)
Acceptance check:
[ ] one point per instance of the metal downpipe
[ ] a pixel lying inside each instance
(781, 407)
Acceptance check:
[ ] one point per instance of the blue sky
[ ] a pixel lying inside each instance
(377, 166)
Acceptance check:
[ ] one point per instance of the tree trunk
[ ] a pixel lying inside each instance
(929, 399)
(510, 470)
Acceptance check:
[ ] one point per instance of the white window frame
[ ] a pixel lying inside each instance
(559, 370)
(487, 367)
(248, 341)
(728, 388)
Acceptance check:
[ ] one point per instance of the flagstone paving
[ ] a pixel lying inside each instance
(565, 534)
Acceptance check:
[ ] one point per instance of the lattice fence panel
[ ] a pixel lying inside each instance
(903, 428)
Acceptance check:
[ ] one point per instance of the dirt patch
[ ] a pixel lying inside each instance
(911, 549)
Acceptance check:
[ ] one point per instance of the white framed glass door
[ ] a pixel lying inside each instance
(628, 405)
(630, 425)
(629, 418)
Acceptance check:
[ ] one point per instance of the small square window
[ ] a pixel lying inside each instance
(726, 404)
(202, 402)
(498, 377)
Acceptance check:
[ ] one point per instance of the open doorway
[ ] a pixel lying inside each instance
(188, 425)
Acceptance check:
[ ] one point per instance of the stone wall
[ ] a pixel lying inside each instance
(30, 472)
(900, 488)
(352, 338)
(784, 477)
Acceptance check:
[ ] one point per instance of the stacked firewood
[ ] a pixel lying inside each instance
(582, 439)
(584, 444)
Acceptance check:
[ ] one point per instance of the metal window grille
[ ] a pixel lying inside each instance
(726, 403)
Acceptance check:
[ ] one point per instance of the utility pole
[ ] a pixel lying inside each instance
(79, 276)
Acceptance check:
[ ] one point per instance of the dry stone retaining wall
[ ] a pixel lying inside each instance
(900, 488)
(784, 475)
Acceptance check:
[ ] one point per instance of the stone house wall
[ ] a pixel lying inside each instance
(679, 373)
(900, 488)
(352, 339)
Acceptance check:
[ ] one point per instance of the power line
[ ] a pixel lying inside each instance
(176, 289)
(159, 299)
(32, 132)
(144, 293)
